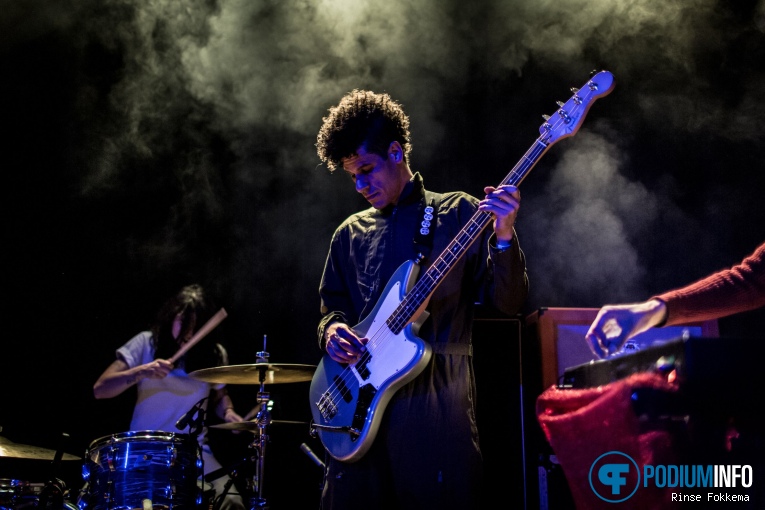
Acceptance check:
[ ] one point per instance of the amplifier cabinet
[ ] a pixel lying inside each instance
(496, 361)
(559, 335)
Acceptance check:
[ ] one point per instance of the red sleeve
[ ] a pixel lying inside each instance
(738, 289)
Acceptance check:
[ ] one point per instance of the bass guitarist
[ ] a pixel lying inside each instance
(423, 451)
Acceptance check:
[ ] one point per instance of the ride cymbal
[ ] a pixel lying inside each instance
(257, 373)
(22, 451)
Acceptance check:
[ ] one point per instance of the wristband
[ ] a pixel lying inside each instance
(503, 245)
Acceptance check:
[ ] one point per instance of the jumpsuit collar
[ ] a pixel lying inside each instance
(413, 191)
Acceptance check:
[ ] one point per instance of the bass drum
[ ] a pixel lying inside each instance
(142, 470)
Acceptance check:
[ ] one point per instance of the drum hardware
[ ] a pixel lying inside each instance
(263, 419)
(53, 495)
(233, 471)
(55, 490)
(194, 419)
(218, 500)
(261, 373)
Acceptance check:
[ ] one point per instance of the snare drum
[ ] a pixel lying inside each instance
(133, 470)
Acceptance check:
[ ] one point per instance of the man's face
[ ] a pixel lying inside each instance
(379, 179)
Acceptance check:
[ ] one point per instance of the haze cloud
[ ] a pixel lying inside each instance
(200, 118)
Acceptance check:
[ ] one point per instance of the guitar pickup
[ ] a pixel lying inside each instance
(362, 366)
(366, 394)
(345, 392)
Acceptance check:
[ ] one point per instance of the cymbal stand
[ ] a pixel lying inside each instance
(263, 419)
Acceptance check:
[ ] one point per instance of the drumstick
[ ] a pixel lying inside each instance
(253, 412)
(199, 335)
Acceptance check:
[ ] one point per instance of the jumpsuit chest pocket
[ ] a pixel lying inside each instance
(369, 282)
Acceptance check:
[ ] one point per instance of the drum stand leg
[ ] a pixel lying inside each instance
(263, 418)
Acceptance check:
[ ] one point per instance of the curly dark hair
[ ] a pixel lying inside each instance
(362, 118)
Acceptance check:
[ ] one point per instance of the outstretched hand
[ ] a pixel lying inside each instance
(615, 324)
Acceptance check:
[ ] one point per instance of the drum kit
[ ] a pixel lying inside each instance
(147, 470)
(259, 373)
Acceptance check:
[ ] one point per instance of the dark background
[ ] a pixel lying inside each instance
(150, 144)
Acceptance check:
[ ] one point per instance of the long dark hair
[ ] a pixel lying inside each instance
(195, 309)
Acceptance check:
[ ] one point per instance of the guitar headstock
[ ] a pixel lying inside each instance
(569, 117)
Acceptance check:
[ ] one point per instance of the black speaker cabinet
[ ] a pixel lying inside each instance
(496, 360)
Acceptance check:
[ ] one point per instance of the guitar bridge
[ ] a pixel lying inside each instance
(327, 406)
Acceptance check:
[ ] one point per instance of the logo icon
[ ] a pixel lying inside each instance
(614, 477)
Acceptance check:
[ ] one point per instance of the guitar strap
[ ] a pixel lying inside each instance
(423, 236)
(423, 244)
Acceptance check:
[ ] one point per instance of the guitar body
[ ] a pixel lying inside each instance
(347, 401)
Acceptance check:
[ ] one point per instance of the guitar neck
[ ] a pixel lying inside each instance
(563, 123)
(441, 267)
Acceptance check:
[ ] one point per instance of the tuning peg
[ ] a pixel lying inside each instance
(559, 103)
(574, 90)
(546, 117)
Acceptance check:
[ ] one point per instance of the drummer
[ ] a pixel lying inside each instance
(168, 399)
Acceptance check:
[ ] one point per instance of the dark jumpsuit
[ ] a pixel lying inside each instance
(426, 454)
